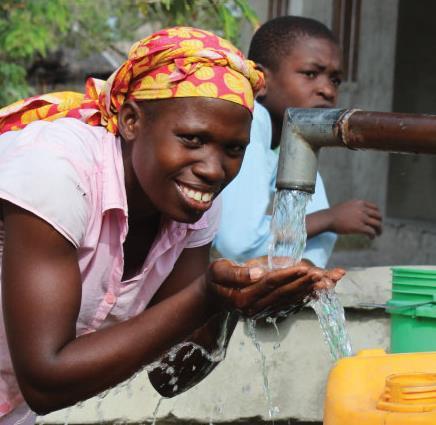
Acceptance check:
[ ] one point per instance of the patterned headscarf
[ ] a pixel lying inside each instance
(176, 62)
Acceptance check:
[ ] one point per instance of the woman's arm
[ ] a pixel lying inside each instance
(192, 365)
(41, 290)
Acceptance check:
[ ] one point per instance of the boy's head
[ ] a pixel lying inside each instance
(301, 60)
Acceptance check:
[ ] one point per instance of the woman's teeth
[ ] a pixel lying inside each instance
(196, 195)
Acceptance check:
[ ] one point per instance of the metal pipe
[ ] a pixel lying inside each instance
(305, 131)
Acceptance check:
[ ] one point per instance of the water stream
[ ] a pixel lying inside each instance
(331, 318)
(272, 410)
(156, 410)
(288, 227)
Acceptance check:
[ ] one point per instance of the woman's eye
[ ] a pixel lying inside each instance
(236, 150)
(191, 140)
(310, 74)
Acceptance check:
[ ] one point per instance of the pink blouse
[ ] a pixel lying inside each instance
(71, 175)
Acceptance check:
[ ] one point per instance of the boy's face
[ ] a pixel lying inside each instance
(307, 78)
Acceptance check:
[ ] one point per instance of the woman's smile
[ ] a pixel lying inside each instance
(194, 198)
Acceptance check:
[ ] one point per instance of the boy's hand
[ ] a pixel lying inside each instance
(257, 292)
(356, 217)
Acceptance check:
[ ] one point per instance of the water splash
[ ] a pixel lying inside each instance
(251, 329)
(288, 228)
(156, 410)
(273, 321)
(331, 318)
(215, 356)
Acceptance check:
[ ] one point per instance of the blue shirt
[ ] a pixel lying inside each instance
(244, 231)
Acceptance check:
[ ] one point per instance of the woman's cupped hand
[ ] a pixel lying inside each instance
(256, 291)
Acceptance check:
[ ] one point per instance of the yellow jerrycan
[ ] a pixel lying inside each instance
(375, 388)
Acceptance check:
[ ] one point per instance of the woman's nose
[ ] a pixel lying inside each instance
(210, 167)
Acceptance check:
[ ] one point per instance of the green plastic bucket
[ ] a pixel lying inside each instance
(413, 310)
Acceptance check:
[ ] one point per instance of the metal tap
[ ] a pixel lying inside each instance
(306, 131)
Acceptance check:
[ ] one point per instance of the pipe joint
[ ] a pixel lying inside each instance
(304, 132)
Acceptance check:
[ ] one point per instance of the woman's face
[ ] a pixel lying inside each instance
(183, 153)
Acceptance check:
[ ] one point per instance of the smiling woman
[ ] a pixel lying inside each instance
(187, 151)
(108, 207)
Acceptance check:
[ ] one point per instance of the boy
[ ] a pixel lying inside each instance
(301, 61)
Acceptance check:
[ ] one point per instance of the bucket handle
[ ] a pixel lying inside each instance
(395, 307)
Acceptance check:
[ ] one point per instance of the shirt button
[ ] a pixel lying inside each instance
(109, 298)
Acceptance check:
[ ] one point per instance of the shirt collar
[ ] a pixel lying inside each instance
(114, 191)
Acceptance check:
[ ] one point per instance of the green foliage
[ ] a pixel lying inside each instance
(27, 28)
(13, 83)
(100, 24)
(221, 16)
(31, 28)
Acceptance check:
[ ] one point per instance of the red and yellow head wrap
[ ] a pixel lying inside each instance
(176, 62)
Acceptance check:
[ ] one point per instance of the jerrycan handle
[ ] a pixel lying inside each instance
(396, 307)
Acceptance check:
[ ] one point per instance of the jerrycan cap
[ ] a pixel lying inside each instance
(409, 392)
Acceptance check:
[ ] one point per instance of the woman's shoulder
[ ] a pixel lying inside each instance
(68, 137)
(75, 138)
(55, 170)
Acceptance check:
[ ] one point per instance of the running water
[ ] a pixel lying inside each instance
(272, 410)
(156, 410)
(273, 321)
(288, 228)
(332, 321)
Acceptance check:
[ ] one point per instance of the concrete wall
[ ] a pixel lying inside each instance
(403, 187)
(415, 85)
(297, 366)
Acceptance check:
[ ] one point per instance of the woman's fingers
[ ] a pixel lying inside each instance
(254, 290)
(274, 285)
(239, 287)
(227, 273)
(294, 295)
(290, 294)
(335, 274)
